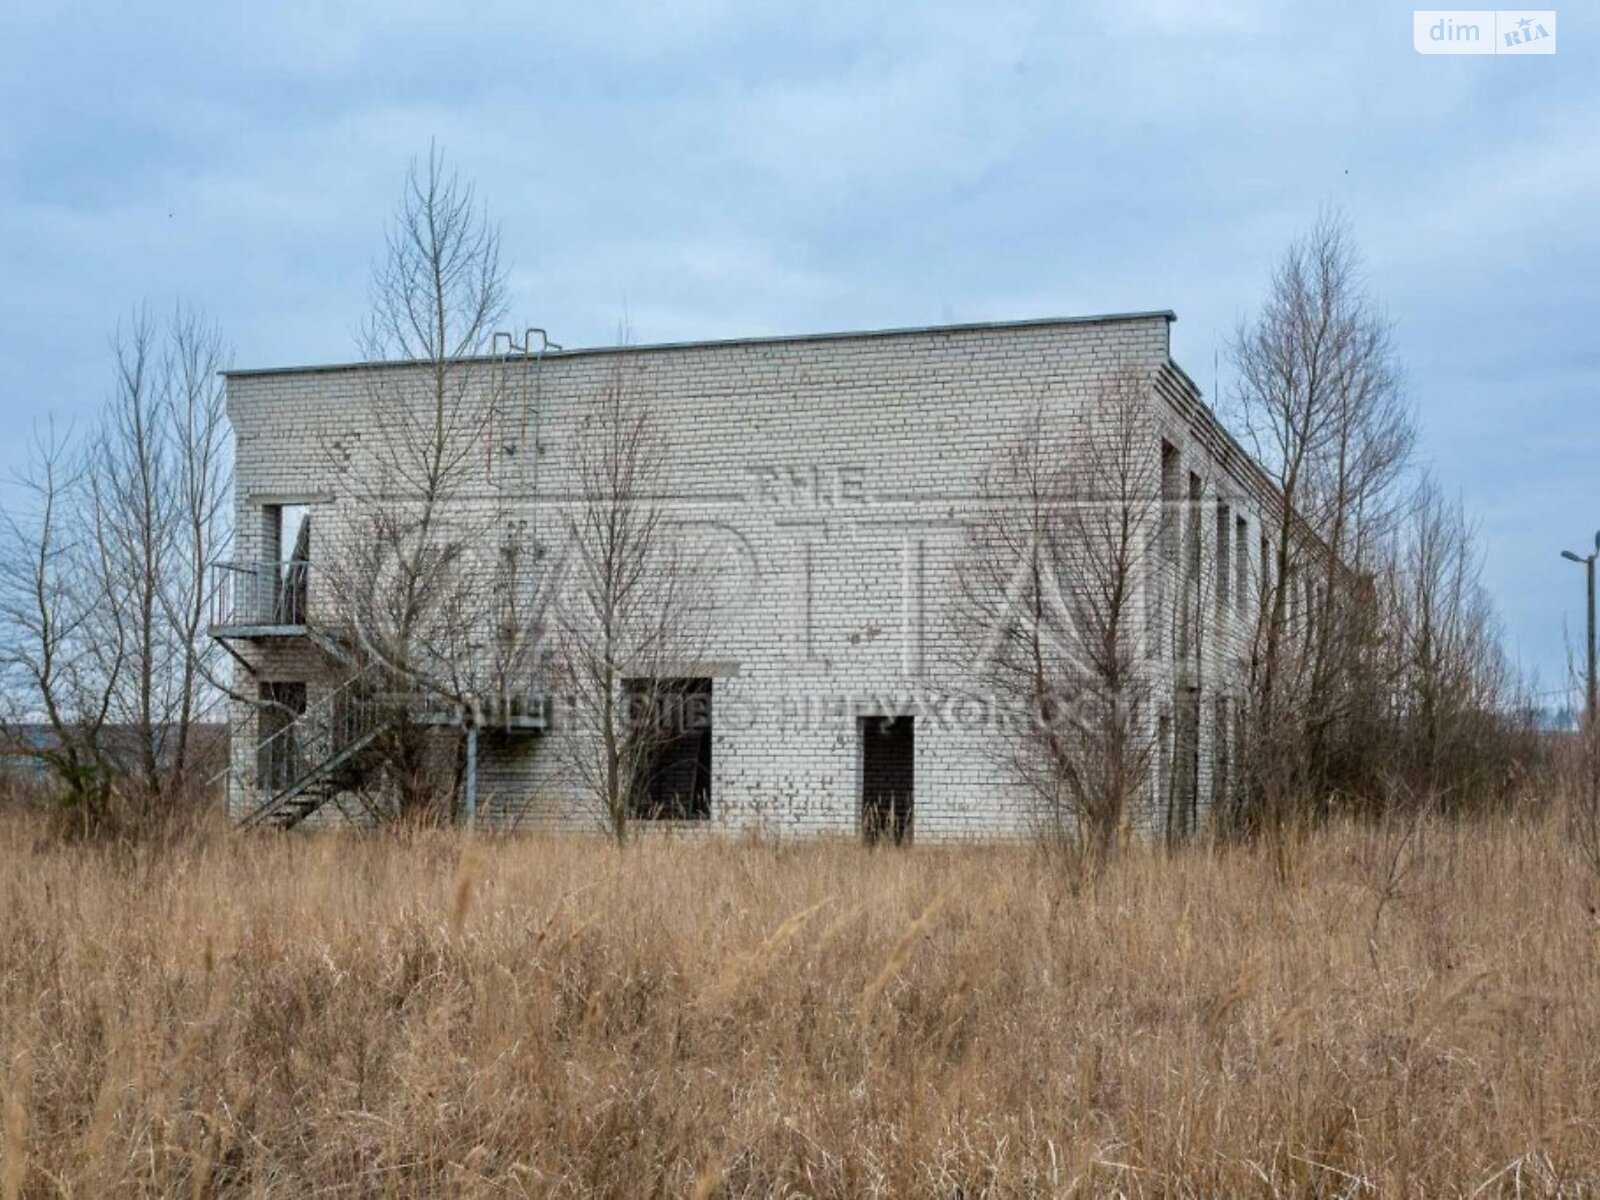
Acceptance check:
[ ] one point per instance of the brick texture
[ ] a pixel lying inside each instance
(834, 474)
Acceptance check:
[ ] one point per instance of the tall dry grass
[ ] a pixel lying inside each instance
(1412, 1012)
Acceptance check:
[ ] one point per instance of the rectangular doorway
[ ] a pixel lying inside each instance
(1183, 817)
(888, 755)
(278, 759)
(288, 538)
(677, 778)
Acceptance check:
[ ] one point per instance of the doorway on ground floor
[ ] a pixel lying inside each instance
(888, 757)
(278, 758)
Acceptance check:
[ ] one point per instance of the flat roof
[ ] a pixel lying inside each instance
(770, 340)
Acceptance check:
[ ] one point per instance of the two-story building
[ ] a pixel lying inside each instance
(839, 469)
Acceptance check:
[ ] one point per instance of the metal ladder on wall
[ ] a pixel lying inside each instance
(323, 751)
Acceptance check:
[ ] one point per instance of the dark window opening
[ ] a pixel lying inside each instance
(1190, 615)
(1193, 516)
(888, 762)
(1170, 500)
(1241, 547)
(1224, 574)
(1221, 756)
(1162, 579)
(677, 775)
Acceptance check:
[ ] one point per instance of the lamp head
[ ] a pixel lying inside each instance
(1568, 554)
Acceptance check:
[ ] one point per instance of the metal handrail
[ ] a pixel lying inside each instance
(337, 723)
(271, 594)
(305, 751)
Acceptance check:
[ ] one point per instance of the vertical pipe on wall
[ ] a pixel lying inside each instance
(472, 773)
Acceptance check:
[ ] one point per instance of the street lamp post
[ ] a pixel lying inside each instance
(1588, 710)
(1588, 562)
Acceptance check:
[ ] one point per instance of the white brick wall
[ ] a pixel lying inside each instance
(855, 454)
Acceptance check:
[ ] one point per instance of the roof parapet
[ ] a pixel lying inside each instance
(768, 340)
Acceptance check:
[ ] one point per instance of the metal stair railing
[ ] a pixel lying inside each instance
(328, 734)
(260, 595)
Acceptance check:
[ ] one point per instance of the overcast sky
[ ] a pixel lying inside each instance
(707, 168)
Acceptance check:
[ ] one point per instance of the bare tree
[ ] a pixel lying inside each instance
(131, 494)
(1454, 734)
(202, 483)
(627, 618)
(158, 483)
(106, 576)
(50, 663)
(1050, 587)
(1322, 404)
(414, 572)
(1376, 671)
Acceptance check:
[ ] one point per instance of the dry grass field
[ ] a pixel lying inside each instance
(436, 1014)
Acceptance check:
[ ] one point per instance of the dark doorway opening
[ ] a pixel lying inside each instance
(278, 753)
(888, 757)
(677, 782)
(1183, 814)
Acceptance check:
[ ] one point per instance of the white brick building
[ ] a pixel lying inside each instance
(839, 468)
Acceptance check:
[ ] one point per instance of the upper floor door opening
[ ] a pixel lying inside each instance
(288, 539)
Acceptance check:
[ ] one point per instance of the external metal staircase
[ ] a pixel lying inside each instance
(323, 751)
(331, 746)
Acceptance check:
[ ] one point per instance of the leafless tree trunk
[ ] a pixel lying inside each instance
(414, 573)
(203, 485)
(627, 616)
(1322, 404)
(130, 487)
(1050, 590)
